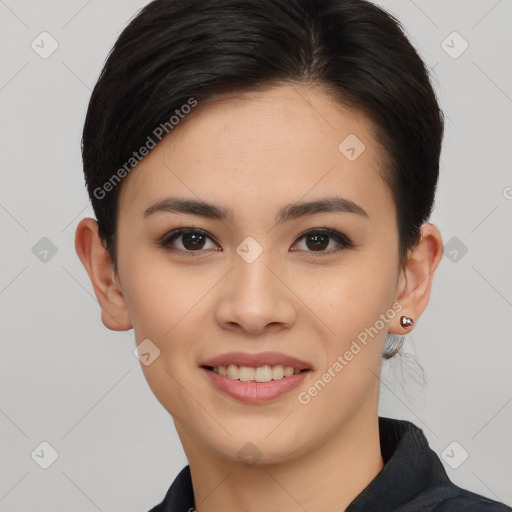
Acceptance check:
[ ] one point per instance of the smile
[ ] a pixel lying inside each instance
(251, 391)
(259, 374)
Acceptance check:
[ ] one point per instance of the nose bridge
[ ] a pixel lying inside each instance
(253, 296)
(251, 268)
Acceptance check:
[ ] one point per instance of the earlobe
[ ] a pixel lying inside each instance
(98, 264)
(415, 281)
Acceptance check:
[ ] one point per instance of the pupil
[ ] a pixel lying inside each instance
(317, 242)
(193, 241)
(194, 237)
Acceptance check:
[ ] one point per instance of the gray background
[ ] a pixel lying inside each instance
(68, 381)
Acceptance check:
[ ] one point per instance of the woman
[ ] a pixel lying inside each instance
(270, 244)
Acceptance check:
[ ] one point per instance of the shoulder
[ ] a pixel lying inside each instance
(451, 498)
(180, 496)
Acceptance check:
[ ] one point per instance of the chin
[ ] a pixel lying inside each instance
(255, 449)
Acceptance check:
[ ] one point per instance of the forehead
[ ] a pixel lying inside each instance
(263, 148)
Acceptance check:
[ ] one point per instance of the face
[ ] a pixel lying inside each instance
(302, 283)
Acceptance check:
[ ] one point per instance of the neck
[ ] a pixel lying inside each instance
(328, 477)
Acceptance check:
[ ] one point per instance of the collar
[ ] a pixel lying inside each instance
(410, 470)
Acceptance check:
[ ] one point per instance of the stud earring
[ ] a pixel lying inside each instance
(406, 322)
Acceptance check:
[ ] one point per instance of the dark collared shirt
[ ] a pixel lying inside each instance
(413, 479)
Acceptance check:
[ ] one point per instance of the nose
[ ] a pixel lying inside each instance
(255, 297)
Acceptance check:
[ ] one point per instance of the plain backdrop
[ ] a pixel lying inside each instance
(68, 382)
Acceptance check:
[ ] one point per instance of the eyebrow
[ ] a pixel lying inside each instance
(287, 213)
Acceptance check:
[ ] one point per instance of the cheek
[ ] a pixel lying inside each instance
(350, 297)
(350, 304)
(160, 297)
(164, 306)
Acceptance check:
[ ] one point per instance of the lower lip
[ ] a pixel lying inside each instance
(252, 392)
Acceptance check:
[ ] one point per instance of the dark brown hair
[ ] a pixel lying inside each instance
(174, 50)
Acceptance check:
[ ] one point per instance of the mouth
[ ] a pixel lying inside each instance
(255, 378)
(264, 373)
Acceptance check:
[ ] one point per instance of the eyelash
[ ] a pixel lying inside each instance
(340, 238)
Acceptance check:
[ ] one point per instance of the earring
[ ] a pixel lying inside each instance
(406, 322)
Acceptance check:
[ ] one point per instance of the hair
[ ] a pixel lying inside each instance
(175, 50)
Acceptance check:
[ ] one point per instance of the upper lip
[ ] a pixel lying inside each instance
(255, 360)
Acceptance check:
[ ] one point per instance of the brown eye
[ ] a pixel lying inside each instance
(191, 240)
(318, 240)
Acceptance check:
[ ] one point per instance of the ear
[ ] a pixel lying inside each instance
(416, 276)
(99, 266)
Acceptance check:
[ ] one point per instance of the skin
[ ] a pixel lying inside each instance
(254, 153)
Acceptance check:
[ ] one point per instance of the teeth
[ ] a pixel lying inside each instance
(288, 371)
(259, 374)
(233, 371)
(263, 374)
(245, 373)
(277, 372)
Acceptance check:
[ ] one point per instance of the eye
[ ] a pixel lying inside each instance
(194, 240)
(191, 240)
(316, 240)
